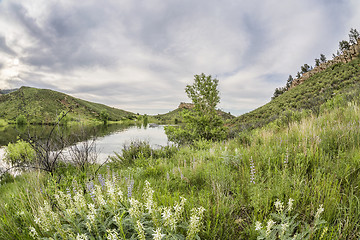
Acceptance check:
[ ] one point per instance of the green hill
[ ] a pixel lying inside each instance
(175, 116)
(43, 106)
(341, 78)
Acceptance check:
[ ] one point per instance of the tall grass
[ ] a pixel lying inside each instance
(314, 161)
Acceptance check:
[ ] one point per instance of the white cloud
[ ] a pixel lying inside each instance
(139, 55)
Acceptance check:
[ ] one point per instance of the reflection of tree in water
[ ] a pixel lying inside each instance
(72, 134)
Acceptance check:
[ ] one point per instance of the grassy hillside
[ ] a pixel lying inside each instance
(43, 106)
(314, 162)
(175, 116)
(308, 96)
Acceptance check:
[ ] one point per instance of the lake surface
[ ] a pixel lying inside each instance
(109, 139)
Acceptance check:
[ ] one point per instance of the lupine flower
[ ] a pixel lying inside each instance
(286, 161)
(101, 181)
(130, 187)
(252, 171)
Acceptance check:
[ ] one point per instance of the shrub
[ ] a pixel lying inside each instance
(21, 120)
(19, 153)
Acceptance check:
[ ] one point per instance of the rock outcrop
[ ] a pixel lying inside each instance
(346, 56)
(186, 105)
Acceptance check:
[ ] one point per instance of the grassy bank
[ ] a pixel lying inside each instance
(313, 160)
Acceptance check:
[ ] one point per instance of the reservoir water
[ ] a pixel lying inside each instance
(108, 139)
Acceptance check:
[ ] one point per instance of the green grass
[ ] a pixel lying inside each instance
(313, 160)
(43, 106)
(175, 117)
(304, 98)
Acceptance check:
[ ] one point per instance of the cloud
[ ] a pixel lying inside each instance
(139, 55)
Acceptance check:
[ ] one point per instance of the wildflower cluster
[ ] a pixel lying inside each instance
(103, 212)
(284, 226)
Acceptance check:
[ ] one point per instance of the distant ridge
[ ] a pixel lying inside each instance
(175, 116)
(42, 106)
(6, 91)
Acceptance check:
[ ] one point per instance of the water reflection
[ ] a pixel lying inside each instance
(109, 138)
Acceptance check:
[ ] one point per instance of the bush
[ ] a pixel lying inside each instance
(20, 153)
(21, 120)
(139, 152)
(3, 123)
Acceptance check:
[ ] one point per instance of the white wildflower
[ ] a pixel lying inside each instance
(258, 226)
(33, 232)
(290, 204)
(195, 222)
(136, 208)
(37, 220)
(284, 226)
(270, 224)
(158, 235)
(279, 206)
(166, 215)
(148, 197)
(319, 211)
(99, 196)
(81, 237)
(112, 234)
(91, 216)
(80, 201)
(140, 229)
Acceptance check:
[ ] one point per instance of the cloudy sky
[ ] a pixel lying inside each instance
(138, 55)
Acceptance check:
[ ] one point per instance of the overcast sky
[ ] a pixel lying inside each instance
(138, 55)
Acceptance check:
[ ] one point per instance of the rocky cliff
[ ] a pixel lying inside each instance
(345, 57)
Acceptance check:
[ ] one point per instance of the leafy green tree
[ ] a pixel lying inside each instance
(104, 116)
(202, 121)
(145, 120)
